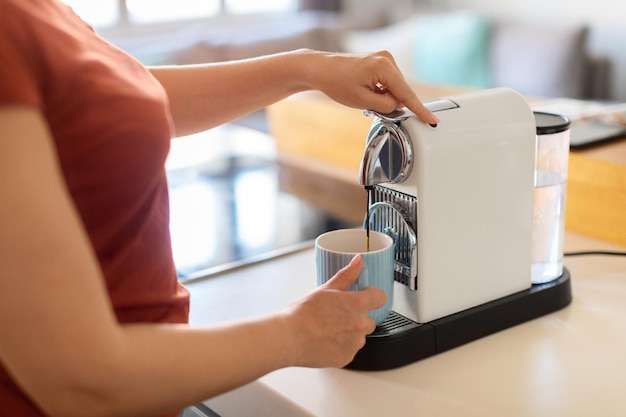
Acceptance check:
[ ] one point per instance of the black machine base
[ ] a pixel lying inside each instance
(399, 341)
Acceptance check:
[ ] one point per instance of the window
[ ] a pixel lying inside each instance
(97, 13)
(152, 11)
(256, 6)
(103, 13)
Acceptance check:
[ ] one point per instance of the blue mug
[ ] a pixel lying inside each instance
(335, 249)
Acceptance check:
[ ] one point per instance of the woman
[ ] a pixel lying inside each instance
(91, 312)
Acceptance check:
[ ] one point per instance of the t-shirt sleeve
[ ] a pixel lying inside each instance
(20, 79)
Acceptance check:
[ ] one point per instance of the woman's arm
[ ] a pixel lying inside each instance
(61, 342)
(207, 95)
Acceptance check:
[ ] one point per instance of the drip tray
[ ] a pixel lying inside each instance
(400, 341)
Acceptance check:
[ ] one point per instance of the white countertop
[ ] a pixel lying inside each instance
(567, 363)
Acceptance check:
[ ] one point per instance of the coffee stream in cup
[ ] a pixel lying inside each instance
(368, 199)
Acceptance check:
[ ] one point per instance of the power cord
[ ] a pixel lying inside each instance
(595, 252)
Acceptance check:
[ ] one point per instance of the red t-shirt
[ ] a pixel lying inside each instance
(111, 126)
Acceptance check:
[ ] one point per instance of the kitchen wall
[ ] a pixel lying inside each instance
(606, 18)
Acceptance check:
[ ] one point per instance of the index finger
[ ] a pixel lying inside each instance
(413, 103)
(409, 98)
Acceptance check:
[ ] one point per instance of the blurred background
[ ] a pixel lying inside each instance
(568, 48)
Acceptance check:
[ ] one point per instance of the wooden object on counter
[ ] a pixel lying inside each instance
(596, 192)
(318, 129)
(321, 144)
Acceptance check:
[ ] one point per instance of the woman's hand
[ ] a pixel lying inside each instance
(366, 81)
(328, 326)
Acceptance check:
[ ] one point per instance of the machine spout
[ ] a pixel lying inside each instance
(387, 156)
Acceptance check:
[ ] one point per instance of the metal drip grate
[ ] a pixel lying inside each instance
(393, 324)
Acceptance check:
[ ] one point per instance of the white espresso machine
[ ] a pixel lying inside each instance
(457, 198)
